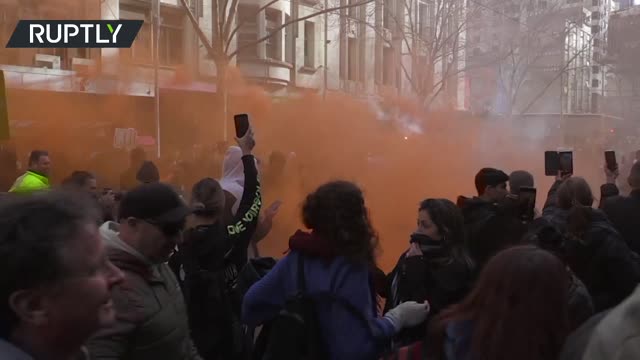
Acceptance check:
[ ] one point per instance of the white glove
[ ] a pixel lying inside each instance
(408, 314)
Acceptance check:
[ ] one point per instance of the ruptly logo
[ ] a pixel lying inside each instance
(74, 34)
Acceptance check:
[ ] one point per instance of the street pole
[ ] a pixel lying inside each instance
(326, 49)
(156, 64)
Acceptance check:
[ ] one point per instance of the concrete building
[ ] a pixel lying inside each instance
(519, 51)
(558, 79)
(623, 52)
(362, 50)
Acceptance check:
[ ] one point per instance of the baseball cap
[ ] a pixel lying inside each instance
(156, 201)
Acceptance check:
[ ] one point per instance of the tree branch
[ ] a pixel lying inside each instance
(240, 24)
(227, 27)
(562, 71)
(201, 35)
(279, 28)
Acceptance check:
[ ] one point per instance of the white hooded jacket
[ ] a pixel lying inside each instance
(233, 175)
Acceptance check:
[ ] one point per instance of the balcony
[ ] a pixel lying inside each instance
(266, 71)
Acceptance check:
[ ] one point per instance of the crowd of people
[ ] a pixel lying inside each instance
(153, 271)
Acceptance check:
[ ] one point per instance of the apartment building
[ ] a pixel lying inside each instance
(623, 52)
(372, 48)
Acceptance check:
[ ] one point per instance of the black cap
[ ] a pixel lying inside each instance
(156, 201)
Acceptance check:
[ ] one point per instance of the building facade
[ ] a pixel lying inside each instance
(538, 56)
(360, 47)
(623, 52)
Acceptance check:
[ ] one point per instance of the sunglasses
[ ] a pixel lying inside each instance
(168, 228)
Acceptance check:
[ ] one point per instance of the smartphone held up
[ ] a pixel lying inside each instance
(242, 124)
(558, 162)
(610, 160)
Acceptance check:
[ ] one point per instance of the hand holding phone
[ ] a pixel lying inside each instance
(243, 128)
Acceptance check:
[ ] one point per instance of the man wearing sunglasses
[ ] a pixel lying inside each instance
(151, 320)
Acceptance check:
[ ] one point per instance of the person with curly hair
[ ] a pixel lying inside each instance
(337, 256)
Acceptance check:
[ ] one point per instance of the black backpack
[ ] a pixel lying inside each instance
(295, 334)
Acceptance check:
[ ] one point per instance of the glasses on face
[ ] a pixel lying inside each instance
(168, 228)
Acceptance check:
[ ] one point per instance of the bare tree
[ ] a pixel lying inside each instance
(226, 27)
(529, 44)
(430, 35)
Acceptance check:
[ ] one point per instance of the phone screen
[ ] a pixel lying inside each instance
(566, 162)
(551, 163)
(610, 159)
(242, 124)
(527, 202)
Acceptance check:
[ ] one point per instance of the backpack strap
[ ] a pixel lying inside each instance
(302, 284)
(329, 296)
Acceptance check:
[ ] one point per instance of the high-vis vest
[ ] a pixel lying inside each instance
(30, 182)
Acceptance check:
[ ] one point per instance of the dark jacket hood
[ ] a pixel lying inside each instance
(474, 209)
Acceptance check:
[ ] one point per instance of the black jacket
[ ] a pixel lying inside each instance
(477, 213)
(601, 259)
(208, 263)
(489, 228)
(435, 276)
(624, 213)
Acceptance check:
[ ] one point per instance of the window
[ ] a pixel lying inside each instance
(274, 43)
(595, 29)
(387, 66)
(171, 49)
(288, 40)
(352, 58)
(596, 43)
(595, 2)
(595, 15)
(140, 51)
(387, 13)
(595, 83)
(309, 44)
(248, 32)
(425, 13)
(352, 11)
(171, 43)
(197, 7)
(141, 48)
(595, 69)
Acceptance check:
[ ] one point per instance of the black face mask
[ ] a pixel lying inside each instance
(423, 240)
(430, 247)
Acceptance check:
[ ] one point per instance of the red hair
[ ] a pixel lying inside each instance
(518, 308)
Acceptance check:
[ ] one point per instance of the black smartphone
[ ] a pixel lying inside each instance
(527, 201)
(610, 159)
(242, 124)
(566, 162)
(551, 163)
